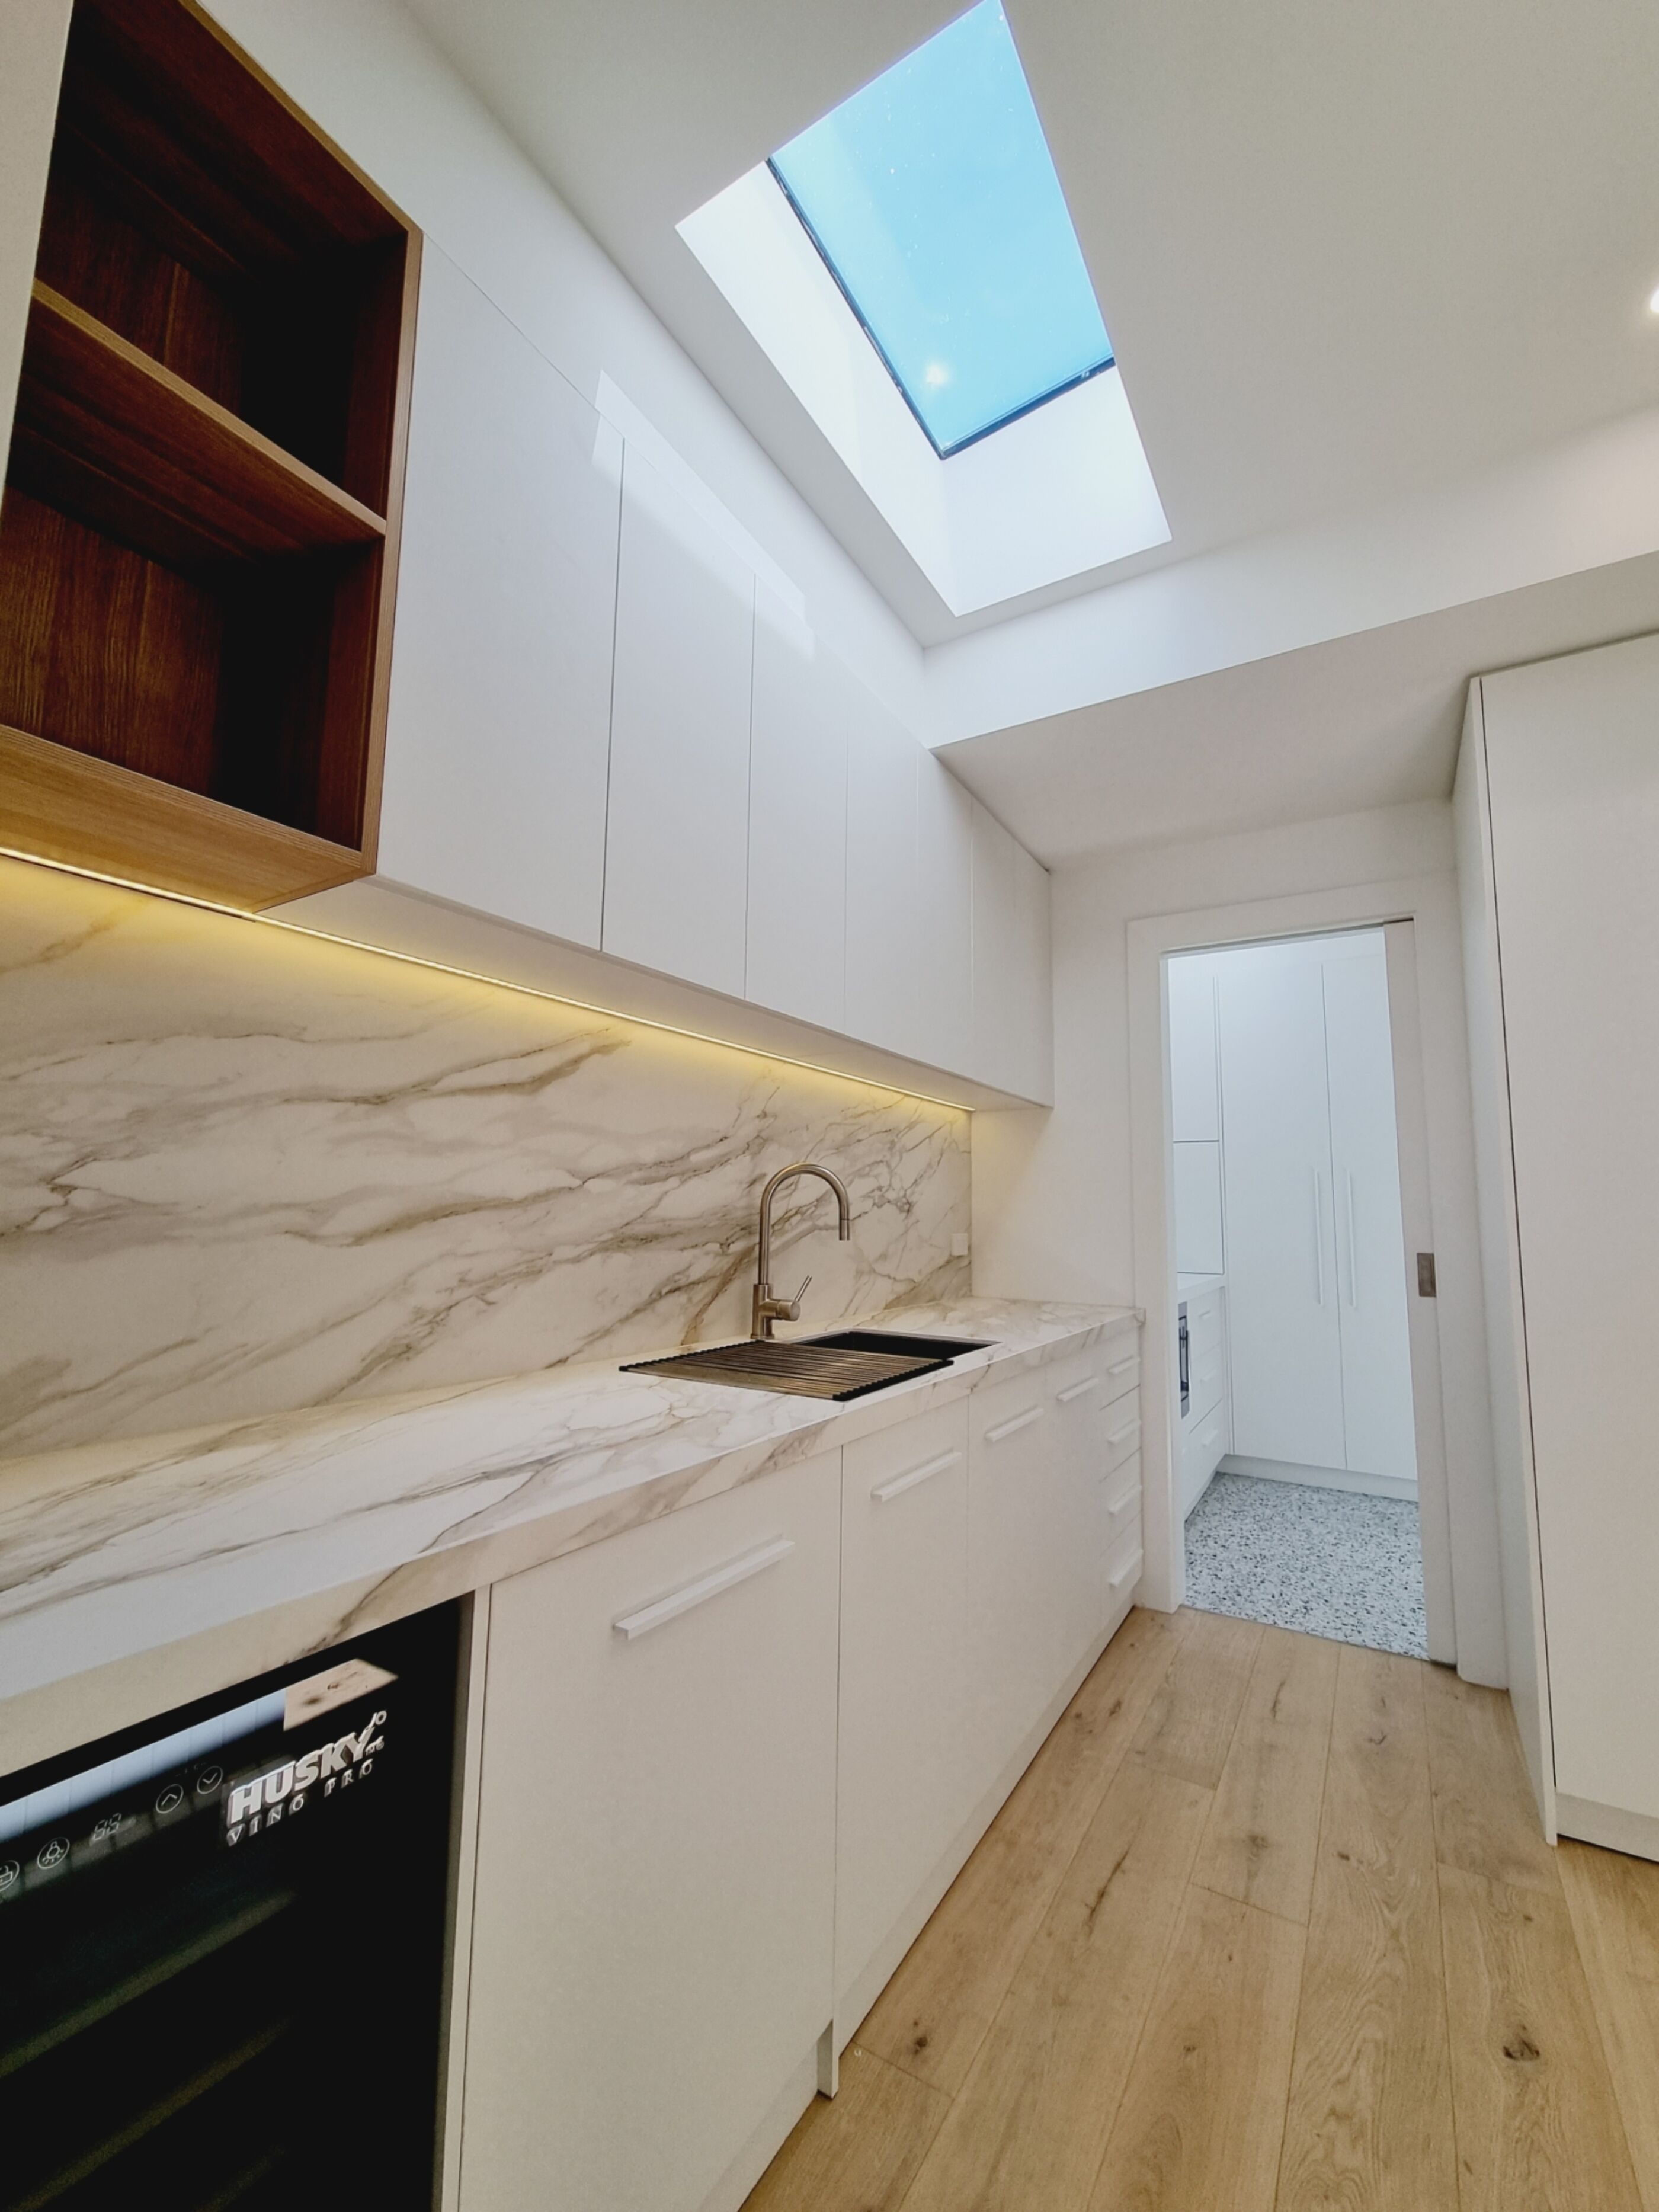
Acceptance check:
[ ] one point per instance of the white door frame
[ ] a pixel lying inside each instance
(1462, 1601)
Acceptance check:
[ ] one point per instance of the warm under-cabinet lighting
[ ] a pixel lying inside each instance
(475, 975)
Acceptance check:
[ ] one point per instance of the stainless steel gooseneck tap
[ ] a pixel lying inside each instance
(767, 1309)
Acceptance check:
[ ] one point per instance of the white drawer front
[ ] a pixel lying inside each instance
(1122, 1438)
(1122, 1500)
(1122, 1366)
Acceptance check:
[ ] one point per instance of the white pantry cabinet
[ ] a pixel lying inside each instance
(1557, 808)
(906, 1659)
(677, 839)
(499, 722)
(653, 1932)
(797, 922)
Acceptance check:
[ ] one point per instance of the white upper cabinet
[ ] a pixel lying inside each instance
(1195, 1089)
(883, 997)
(944, 931)
(797, 820)
(677, 846)
(500, 714)
(1013, 1001)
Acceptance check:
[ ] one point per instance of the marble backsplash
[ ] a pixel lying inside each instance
(243, 1170)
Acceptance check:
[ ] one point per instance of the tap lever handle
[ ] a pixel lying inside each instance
(795, 1303)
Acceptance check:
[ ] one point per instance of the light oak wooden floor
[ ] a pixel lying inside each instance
(1267, 1926)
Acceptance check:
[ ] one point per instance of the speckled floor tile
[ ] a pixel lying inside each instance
(1329, 1562)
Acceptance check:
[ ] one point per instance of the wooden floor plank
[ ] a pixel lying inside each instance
(932, 2015)
(1484, 1818)
(1538, 2125)
(1369, 2126)
(1614, 1903)
(1263, 1833)
(1201, 2122)
(1188, 1728)
(859, 2152)
(1030, 2121)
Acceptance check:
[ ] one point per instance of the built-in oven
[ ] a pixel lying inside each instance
(1181, 1349)
(222, 1942)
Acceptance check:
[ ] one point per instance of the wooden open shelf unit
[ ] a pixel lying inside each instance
(198, 534)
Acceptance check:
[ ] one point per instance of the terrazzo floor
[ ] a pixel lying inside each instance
(1329, 1562)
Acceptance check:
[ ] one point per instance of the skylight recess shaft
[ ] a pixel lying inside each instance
(932, 198)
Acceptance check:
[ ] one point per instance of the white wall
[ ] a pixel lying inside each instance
(369, 75)
(1053, 1205)
(30, 60)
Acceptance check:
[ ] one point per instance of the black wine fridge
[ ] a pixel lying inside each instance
(222, 1944)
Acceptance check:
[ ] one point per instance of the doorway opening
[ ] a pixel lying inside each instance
(1295, 1455)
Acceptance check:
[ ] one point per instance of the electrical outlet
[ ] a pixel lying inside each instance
(959, 1245)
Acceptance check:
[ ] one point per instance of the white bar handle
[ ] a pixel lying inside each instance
(1020, 1421)
(1124, 1574)
(705, 1587)
(901, 1483)
(1319, 1235)
(1354, 1250)
(1129, 1429)
(1077, 1389)
(1124, 1365)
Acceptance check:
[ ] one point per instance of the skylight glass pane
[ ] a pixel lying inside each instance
(933, 196)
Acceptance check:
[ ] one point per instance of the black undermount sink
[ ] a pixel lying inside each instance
(846, 1364)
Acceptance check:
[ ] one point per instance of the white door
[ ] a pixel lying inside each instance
(1378, 1424)
(1286, 1343)
(499, 725)
(883, 765)
(653, 1917)
(1573, 768)
(797, 957)
(676, 845)
(944, 935)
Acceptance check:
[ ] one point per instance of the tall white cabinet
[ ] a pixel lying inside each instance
(1558, 814)
(1315, 1249)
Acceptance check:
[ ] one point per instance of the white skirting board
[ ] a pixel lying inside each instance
(1321, 1477)
(1637, 1834)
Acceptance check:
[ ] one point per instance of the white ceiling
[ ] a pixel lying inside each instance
(1370, 720)
(1342, 250)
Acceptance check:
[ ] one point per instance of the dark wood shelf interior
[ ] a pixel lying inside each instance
(201, 498)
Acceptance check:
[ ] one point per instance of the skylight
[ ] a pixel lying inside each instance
(932, 198)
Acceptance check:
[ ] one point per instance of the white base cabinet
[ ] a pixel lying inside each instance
(906, 1649)
(732, 1759)
(653, 1930)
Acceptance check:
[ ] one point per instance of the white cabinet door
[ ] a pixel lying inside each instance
(943, 936)
(797, 926)
(1377, 1371)
(1281, 1250)
(677, 847)
(499, 723)
(1199, 1245)
(1573, 769)
(1013, 992)
(1194, 1084)
(1021, 1553)
(904, 1768)
(653, 1924)
(883, 999)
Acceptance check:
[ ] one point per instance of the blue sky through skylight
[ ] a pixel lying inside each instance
(931, 195)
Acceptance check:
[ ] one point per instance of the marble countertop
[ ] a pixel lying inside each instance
(378, 1507)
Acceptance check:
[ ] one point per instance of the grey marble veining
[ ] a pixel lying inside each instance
(112, 1550)
(242, 1172)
